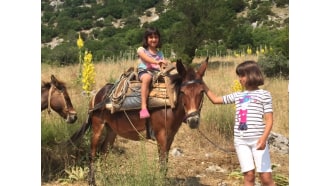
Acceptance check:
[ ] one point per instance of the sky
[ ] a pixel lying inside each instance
(21, 76)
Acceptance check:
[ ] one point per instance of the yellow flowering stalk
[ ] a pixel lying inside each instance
(236, 54)
(80, 44)
(237, 87)
(249, 51)
(88, 75)
(271, 49)
(262, 51)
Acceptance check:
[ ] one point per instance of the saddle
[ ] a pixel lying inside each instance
(126, 92)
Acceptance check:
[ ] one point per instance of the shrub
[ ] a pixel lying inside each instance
(64, 54)
(274, 65)
(281, 3)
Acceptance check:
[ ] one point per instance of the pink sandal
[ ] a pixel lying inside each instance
(144, 114)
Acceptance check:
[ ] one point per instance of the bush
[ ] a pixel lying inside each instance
(237, 5)
(64, 54)
(47, 34)
(274, 65)
(281, 3)
(45, 53)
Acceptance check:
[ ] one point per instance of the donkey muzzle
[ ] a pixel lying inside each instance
(193, 120)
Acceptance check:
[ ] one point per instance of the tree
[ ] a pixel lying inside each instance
(199, 21)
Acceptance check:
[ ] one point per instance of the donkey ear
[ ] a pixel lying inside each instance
(202, 67)
(180, 68)
(53, 78)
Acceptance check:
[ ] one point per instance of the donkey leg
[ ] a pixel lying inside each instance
(163, 159)
(164, 141)
(150, 134)
(109, 140)
(97, 131)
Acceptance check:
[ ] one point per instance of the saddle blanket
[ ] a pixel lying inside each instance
(158, 97)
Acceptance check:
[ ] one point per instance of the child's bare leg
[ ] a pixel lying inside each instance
(249, 178)
(146, 79)
(266, 179)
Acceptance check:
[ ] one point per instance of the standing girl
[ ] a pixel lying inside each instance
(150, 59)
(253, 123)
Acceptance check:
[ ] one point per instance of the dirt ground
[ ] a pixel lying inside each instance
(203, 163)
(195, 161)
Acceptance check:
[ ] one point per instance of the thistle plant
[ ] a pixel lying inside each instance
(88, 74)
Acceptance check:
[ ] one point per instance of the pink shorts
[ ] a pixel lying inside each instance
(250, 158)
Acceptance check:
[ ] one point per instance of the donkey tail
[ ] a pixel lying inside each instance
(80, 133)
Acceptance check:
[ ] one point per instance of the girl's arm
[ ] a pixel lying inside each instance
(149, 59)
(269, 124)
(145, 57)
(212, 97)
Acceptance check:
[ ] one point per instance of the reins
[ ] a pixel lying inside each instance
(141, 136)
(49, 96)
(197, 112)
(214, 144)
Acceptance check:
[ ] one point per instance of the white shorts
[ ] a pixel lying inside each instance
(249, 157)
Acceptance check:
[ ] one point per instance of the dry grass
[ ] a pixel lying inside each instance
(183, 170)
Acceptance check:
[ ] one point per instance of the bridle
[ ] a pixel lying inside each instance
(197, 112)
(53, 87)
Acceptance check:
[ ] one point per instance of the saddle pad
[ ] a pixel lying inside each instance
(127, 93)
(159, 96)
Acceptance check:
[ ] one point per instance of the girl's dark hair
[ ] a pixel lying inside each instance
(148, 32)
(251, 70)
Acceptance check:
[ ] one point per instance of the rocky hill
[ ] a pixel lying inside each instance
(118, 27)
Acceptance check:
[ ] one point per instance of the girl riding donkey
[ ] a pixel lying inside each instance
(150, 59)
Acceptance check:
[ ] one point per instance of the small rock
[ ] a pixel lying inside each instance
(215, 168)
(176, 152)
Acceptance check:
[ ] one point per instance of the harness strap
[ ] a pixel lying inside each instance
(50, 95)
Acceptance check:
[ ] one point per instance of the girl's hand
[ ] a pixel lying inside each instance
(261, 144)
(162, 63)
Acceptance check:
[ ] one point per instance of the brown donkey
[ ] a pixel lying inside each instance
(165, 122)
(54, 96)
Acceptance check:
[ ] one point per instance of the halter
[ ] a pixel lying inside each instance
(201, 103)
(192, 82)
(197, 113)
(50, 95)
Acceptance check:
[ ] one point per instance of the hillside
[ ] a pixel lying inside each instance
(280, 14)
(111, 28)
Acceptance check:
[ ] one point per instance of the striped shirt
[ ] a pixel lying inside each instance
(260, 102)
